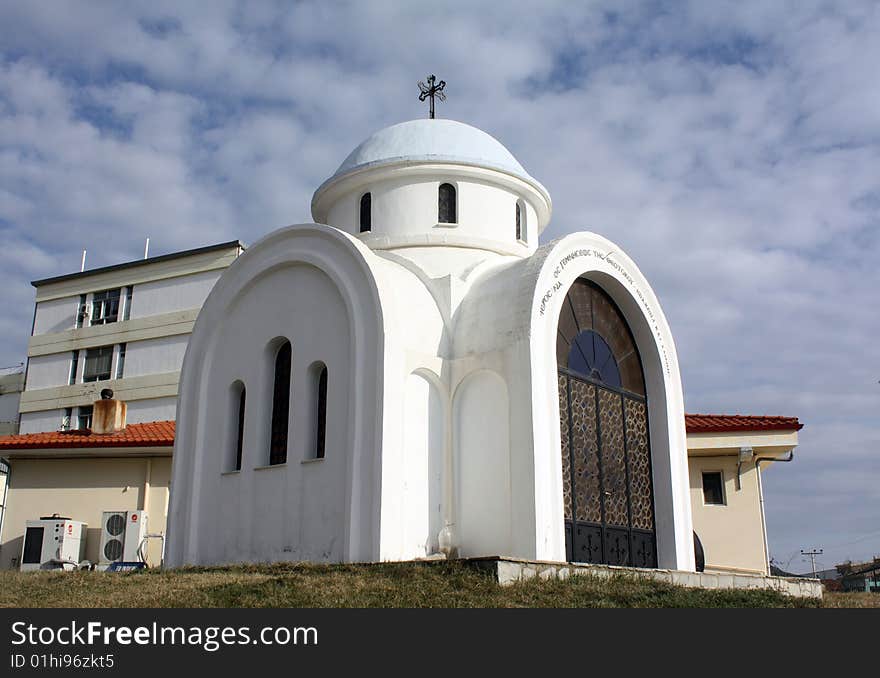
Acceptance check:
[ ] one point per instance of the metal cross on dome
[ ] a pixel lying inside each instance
(431, 90)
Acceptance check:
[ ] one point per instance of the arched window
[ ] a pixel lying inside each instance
(236, 420)
(319, 409)
(366, 213)
(280, 406)
(520, 223)
(594, 340)
(446, 204)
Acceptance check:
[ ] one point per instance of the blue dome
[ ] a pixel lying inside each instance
(435, 140)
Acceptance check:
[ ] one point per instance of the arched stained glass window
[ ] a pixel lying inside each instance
(446, 212)
(280, 406)
(366, 213)
(591, 356)
(594, 341)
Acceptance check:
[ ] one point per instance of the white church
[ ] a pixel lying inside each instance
(414, 375)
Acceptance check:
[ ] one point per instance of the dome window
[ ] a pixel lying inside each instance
(446, 212)
(366, 213)
(520, 222)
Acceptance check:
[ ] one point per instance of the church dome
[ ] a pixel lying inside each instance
(428, 140)
(434, 182)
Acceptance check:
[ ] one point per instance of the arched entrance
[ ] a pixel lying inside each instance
(606, 457)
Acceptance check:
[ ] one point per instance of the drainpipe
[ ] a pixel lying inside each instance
(761, 501)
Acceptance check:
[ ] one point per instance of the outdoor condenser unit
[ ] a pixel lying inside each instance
(53, 542)
(121, 535)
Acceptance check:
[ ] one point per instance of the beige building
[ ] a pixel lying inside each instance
(79, 475)
(726, 456)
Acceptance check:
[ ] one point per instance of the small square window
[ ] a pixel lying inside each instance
(713, 488)
(84, 417)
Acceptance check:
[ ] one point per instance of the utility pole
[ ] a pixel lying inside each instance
(812, 554)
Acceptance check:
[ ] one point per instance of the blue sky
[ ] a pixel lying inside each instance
(731, 148)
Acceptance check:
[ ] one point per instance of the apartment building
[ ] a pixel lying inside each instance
(123, 327)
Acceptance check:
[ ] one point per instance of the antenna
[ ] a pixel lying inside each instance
(147, 248)
(82, 266)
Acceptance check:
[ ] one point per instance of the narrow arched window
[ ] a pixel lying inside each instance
(280, 406)
(446, 205)
(519, 222)
(319, 409)
(236, 420)
(366, 213)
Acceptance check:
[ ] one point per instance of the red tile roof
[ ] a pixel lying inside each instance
(151, 434)
(161, 433)
(724, 423)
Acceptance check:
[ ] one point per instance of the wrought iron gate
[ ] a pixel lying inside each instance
(606, 474)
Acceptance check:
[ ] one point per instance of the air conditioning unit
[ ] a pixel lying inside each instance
(52, 543)
(121, 535)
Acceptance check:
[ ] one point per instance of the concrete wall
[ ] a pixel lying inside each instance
(172, 294)
(82, 489)
(151, 409)
(154, 356)
(732, 534)
(38, 422)
(56, 315)
(46, 371)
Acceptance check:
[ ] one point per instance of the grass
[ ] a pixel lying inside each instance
(443, 584)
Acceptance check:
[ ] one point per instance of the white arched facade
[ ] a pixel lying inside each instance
(311, 286)
(590, 256)
(443, 426)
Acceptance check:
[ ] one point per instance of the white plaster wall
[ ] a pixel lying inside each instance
(301, 509)
(56, 315)
(413, 493)
(481, 422)
(172, 294)
(46, 371)
(38, 422)
(154, 356)
(405, 209)
(152, 409)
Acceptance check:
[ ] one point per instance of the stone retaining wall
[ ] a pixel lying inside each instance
(510, 570)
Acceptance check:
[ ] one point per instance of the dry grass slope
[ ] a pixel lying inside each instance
(443, 584)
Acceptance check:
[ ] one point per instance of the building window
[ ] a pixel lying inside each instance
(446, 212)
(120, 361)
(713, 488)
(105, 307)
(98, 362)
(74, 366)
(126, 309)
(84, 417)
(366, 213)
(319, 409)
(236, 418)
(66, 418)
(82, 311)
(520, 223)
(280, 405)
